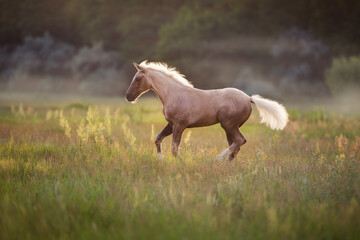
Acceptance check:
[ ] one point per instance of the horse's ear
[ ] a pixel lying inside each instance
(137, 66)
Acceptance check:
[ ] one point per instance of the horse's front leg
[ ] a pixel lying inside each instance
(164, 133)
(177, 132)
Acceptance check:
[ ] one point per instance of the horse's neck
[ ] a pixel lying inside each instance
(165, 88)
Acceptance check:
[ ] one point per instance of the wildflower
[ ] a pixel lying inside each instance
(49, 115)
(129, 137)
(65, 125)
(108, 121)
(21, 109)
(93, 128)
(116, 113)
(29, 110)
(341, 142)
(152, 137)
(187, 137)
(56, 114)
(98, 134)
(82, 133)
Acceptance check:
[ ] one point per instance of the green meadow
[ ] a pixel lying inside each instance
(78, 170)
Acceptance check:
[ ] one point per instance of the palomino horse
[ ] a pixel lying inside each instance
(185, 106)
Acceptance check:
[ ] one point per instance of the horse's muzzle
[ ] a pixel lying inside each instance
(129, 97)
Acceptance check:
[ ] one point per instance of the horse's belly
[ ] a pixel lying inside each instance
(201, 124)
(203, 121)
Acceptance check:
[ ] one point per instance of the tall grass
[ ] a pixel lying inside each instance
(102, 178)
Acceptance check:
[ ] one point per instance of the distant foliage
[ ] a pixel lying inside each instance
(53, 65)
(296, 64)
(208, 39)
(127, 25)
(188, 25)
(300, 61)
(344, 74)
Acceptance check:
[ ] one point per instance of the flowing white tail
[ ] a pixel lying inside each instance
(272, 113)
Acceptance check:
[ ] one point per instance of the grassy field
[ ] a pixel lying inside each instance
(80, 171)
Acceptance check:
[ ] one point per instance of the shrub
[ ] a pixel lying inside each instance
(188, 26)
(344, 74)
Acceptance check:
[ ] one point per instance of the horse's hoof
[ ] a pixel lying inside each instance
(224, 155)
(219, 158)
(160, 156)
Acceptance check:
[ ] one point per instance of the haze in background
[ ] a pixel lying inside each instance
(44, 64)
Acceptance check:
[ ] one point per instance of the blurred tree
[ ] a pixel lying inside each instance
(126, 25)
(183, 31)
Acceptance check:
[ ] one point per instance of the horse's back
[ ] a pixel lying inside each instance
(233, 96)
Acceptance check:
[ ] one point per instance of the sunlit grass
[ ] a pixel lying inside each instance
(91, 172)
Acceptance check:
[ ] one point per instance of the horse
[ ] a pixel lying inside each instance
(185, 106)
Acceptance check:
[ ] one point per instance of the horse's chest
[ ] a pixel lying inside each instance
(173, 115)
(169, 115)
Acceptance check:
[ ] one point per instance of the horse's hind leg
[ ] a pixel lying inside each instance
(230, 141)
(164, 133)
(235, 140)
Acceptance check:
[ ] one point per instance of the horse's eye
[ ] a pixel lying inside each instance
(138, 78)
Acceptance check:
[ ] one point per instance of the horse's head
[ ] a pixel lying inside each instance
(140, 84)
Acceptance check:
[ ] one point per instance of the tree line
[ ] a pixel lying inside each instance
(142, 28)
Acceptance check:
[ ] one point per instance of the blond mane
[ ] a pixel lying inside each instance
(169, 71)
